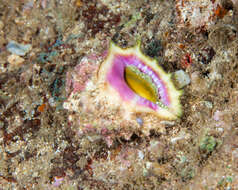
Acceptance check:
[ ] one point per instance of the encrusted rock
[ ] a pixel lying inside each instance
(181, 78)
(18, 49)
(15, 60)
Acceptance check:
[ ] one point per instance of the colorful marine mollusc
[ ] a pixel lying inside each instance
(138, 83)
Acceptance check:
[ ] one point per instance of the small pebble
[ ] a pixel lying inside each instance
(139, 121)
(1, 124)
(15, 60)
(181, 78)
(1, 25)
(141, 155)
(208, 104)
(18, 49)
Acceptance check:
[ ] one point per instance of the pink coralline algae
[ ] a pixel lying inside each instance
(58, 181)
(76, 79)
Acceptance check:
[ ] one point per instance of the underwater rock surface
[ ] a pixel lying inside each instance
(60, 129)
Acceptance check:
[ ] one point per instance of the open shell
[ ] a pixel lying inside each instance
(132, 79)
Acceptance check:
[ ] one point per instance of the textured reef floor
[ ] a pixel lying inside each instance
(58, 132)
